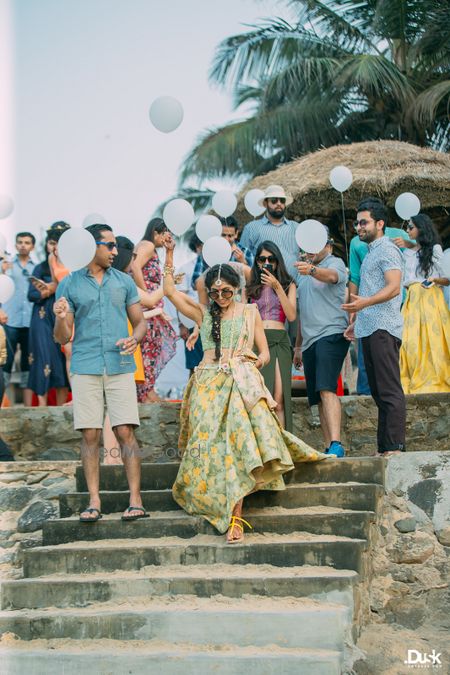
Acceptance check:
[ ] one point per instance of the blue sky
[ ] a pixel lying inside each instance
(84, 75)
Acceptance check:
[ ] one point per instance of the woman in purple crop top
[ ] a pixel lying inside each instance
(274, 291)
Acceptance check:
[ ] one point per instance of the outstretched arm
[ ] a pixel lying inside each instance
(182, 302)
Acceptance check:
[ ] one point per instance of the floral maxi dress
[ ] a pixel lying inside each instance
(159, 343)
(231, 439)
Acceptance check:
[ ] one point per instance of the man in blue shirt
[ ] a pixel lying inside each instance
(275, 227)
(19, 310)
(97, 301)
(379, 323)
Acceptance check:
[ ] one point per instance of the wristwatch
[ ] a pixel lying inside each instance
(312, 271)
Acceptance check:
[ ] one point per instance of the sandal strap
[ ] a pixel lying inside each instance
(135, 508)
(234, 523)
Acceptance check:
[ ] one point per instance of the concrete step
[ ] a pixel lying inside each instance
(132, 554)
(358, 496)
(162, 476)
(249, 621)
(114, 657)
(319, 583)
(317, 520)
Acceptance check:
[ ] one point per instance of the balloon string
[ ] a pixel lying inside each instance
(345, 226)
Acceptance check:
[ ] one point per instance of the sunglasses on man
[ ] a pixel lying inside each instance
(266, 258)
(110, 245)
(275, 200)
(226, 294)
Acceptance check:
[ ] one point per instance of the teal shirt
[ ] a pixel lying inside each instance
(359, 249)
(100, 319)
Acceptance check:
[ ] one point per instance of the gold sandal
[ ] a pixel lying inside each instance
(234, 523)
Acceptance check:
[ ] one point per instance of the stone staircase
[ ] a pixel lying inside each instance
(167, 593)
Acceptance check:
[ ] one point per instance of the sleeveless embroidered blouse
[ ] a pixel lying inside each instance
(225, 332)
(269, 305)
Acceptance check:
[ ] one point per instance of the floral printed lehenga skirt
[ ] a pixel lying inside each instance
(232, 441)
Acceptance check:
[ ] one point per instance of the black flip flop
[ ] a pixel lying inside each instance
(135, 508)
(90, 520)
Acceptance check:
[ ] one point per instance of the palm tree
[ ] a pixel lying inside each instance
(345, 71)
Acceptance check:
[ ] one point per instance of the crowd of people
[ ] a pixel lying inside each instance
(102, 332)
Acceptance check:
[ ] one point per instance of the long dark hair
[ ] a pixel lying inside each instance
(125, 249)
(155, 226)
(228, 274)
(427, 238)
(254, 288)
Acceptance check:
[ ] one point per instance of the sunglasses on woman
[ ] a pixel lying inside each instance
(227, 293)
(410, 226)
(266, 258)
(110, 245)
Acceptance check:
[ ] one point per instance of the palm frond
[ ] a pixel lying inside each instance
(426, 105)
(338, 21)
(375, 76)
(270, 137)
(263, 51)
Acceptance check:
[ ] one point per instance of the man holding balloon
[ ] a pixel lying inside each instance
(321, 346)
(96, 301)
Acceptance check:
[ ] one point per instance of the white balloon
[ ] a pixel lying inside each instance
(186, 321)
(6, 206)
(6, 288)
(341, 178)
(178, 215)
(207, 227)
(224, 203)
(2, 242)
(407, 204)
(166, 114)
(445, 263)
(216, 250)
(94, 219)
(76, 248)
(311, 236)
(251, 200)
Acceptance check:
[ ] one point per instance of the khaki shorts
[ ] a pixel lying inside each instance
(89, 393)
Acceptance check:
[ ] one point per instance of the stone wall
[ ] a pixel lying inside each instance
(28, 496)
(47, 433)
(409, 592)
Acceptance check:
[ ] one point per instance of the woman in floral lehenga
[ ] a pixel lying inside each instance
(231, 439)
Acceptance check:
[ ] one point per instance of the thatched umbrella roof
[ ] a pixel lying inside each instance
(380, 168)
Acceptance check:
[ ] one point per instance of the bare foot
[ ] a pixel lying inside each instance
(152, 397)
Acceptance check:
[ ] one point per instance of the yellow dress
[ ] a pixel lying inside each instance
(231, 439)
(425, 350)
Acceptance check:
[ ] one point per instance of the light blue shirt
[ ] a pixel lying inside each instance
(382, 255)
(257, 231)
(359, 249)
(100, 317)
(19, 309)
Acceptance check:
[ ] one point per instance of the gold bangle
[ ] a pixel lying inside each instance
(168, 271)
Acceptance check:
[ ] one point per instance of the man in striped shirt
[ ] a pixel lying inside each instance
(275, 227)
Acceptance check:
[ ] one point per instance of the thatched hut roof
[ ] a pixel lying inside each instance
(380, 168)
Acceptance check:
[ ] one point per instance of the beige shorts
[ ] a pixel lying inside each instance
(89, 393)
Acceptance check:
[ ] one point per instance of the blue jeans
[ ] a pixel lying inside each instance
(362, 383)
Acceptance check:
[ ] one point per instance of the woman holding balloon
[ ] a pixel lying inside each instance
(231, 438)
(425, 350)
(159, 344)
